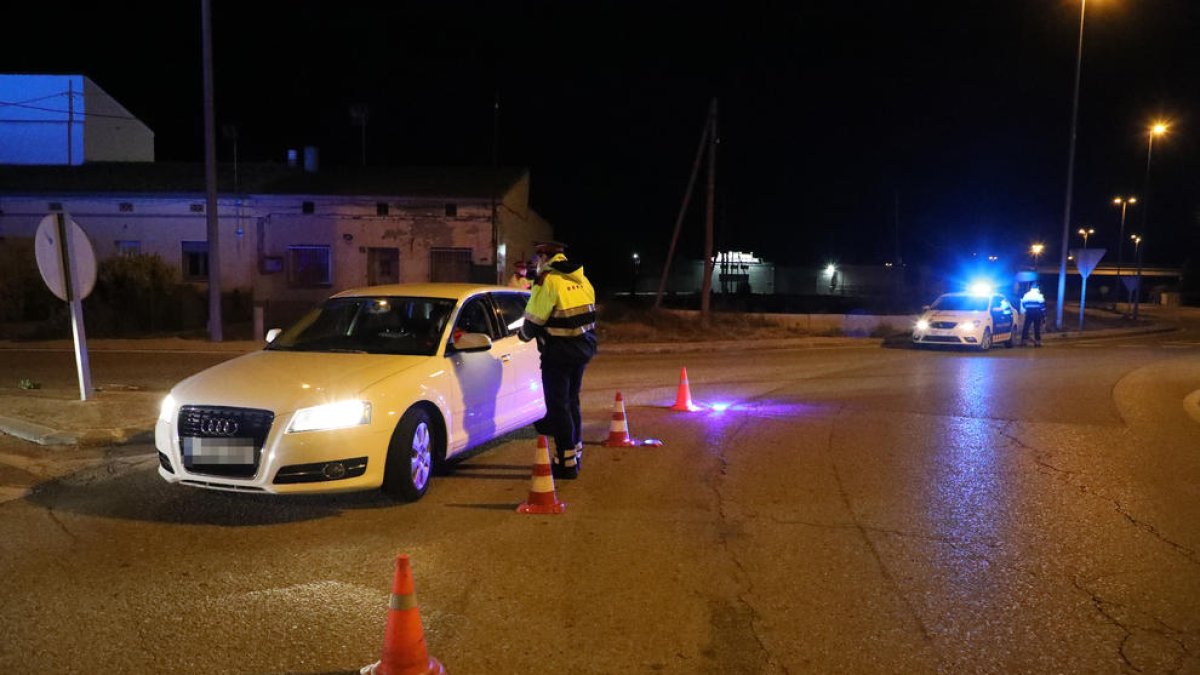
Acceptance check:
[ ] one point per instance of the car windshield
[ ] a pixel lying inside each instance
(961, 303)
(370, 325)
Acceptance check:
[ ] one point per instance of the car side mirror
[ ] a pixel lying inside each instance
(272, 334)
(473, 342)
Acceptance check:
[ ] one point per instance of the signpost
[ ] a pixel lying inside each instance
(1086, 260)
(68, 266)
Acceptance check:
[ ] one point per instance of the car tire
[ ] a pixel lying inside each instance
(414, 450)
(985, 343)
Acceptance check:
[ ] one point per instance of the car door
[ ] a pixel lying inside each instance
(1002, 316)
(522, 374)
(477, 409)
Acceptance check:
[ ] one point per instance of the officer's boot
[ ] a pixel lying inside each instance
(565, 465)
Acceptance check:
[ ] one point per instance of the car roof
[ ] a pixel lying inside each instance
(450, 291)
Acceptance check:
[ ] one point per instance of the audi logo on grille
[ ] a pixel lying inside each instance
(218, 426)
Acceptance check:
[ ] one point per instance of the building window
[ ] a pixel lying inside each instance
(196, 208)
(307, 207)
(54, 206)
(127, 247)
(309, 266)
(195, 261)
(451, 210)
(381, 209)
(125, 207)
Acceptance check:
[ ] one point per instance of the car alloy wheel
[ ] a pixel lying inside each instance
(986, 342)
(411, 456)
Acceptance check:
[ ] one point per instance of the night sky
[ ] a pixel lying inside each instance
(830, 112)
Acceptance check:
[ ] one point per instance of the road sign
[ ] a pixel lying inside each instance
(1086, 260)
(48, 249)
(68, 265)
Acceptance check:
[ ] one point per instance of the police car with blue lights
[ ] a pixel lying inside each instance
(976, 319)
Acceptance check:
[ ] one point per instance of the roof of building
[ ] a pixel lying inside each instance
(262, 178)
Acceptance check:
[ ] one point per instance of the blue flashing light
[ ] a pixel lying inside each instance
(981, 288)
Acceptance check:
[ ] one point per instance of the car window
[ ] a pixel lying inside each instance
(961, 303)
(512, 310)
(376, 325)
(473, 318)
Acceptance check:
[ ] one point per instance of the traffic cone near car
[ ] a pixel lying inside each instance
(404, 651)
(683, 398)
(618, 430)
(542, 499)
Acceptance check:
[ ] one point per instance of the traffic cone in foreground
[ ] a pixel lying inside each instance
(542, 498)
(618, 430)
(404, 651)
(683, 399)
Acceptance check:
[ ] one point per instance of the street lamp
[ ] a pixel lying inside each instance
(637, 266)
(1124, 203)
(1066, 228)
(1085, 233)
(1036, 251)
(1159, 128)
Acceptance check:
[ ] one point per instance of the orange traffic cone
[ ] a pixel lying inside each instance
(542, 498)
(683, 399)
(404, 651)
(618, 430)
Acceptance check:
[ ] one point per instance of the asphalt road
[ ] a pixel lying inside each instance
(851, 510)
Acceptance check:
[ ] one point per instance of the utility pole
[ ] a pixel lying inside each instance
(687, 199)
(495, 178)
(713, 139)
(210, 179)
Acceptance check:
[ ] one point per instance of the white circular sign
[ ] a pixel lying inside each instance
(49, 257)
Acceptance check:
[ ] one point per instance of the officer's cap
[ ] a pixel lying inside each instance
(549, 246)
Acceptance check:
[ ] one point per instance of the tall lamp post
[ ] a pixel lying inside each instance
(1085, 233)
(1036, 251)
(1124, 203)
(1066, 228)
(1156, 129)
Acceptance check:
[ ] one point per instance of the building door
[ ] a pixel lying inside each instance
(383, 266)
(450, 264)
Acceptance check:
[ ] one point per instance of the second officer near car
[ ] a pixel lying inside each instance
(561, 315)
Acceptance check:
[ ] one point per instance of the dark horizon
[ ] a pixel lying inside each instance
(829, 114)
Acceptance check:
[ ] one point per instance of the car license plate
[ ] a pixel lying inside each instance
(218, 450)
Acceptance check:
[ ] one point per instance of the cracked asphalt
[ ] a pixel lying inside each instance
(851, 509)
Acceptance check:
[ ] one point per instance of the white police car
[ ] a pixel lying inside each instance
(976, 320)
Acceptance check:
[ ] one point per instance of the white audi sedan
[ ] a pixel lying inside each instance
(375, 388)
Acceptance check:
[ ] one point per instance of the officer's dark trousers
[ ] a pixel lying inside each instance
(1034, 317)
(563, 421)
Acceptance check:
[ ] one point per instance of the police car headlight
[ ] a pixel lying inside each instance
(922, 324)
(969, 325)
(331, 416)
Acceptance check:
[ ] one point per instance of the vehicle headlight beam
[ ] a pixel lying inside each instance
(338, 415)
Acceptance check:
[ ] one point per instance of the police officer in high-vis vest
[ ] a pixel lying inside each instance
(561, 315)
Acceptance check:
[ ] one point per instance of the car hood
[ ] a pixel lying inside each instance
(282, 381)
(936, 315)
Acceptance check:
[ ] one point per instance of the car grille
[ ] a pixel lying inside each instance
(943, 324)
(950, 339)
(220, 422)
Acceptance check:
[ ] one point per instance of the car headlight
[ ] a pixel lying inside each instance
(922, 324)
(331, 416)
(969, 325)
(166, 411)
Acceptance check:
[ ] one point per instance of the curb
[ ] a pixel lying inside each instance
(729, 345)
(44, 435)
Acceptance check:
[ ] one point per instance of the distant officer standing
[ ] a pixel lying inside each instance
(1034, 307)
(561, 314)
(520, 276)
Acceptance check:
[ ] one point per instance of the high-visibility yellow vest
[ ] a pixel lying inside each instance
(564, 303)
